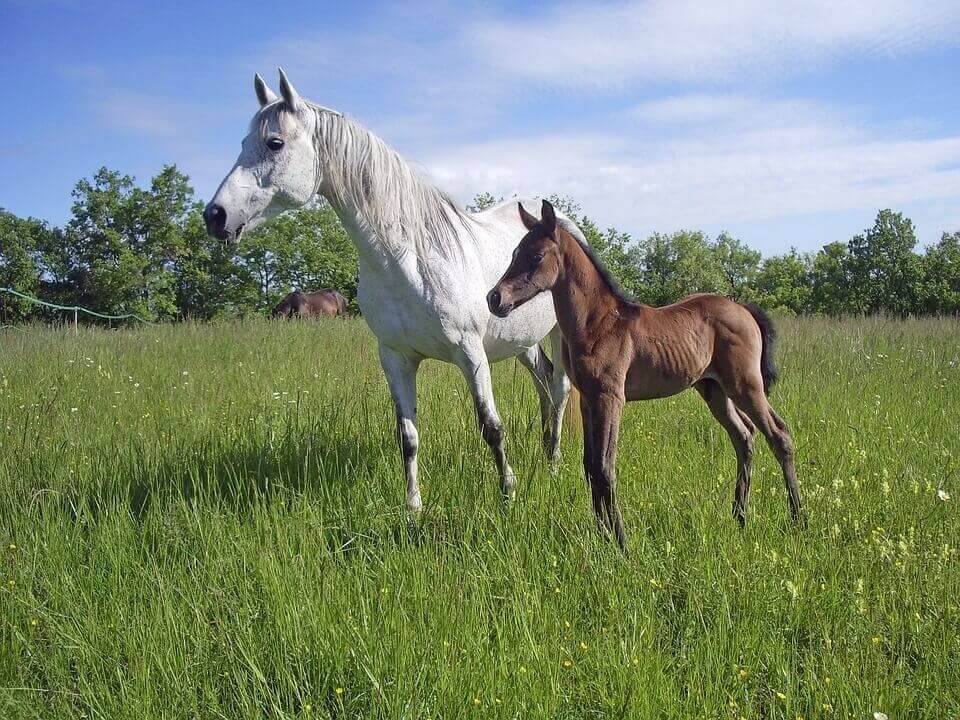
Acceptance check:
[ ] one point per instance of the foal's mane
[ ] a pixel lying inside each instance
(602, 270)
(391, 199)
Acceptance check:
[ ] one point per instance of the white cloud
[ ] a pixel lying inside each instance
(789, 165)
(693, 41)
(701, 108)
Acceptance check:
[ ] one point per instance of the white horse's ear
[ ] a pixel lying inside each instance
(264, 94)
(289, 93)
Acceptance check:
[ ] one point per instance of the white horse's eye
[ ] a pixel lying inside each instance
(274, 143)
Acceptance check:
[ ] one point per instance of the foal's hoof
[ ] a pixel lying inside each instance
(800, 520)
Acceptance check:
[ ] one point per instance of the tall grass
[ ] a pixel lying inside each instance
(206, 522)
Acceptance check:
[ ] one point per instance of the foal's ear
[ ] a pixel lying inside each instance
(289, 93)
(264, 94)
(548, 217)
(528, 220)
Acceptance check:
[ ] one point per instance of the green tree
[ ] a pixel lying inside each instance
(122, 244)
(483, 201)
(738, 264)
(830, 279)
(783, 282)
(678, 264)
(884, 270)
(206, 281)
(21, 246)
(306, 250)
(614, 247)
(941, 276)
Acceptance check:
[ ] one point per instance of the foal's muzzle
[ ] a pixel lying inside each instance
(496, 304)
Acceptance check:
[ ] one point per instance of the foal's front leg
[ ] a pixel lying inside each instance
(476, 370)
(603, 430)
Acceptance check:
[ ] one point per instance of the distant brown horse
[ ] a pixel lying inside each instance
(320, 302)
(617, 350)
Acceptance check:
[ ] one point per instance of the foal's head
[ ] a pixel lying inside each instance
(535, 266)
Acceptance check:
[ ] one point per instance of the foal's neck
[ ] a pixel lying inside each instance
(582, 297)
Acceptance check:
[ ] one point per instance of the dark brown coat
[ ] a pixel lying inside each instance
(616, 350)
(321, 302)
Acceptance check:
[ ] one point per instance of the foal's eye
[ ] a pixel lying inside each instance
(275, 143)
(537, 257)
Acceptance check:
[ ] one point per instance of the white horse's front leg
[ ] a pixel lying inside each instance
(541, 370)
(473, 363)
(559, 392)
(401, 372)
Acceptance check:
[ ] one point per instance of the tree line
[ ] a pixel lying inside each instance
(127, 249)
(130, 249)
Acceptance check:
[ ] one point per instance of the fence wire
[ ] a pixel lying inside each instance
(71, 308)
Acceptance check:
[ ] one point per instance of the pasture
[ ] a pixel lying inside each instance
(207, 521)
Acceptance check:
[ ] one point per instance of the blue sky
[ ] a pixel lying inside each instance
(786, 127)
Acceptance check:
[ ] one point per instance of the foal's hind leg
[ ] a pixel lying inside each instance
(752, 401)
(740, 429)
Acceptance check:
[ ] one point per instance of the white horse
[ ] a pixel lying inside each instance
(425, 264)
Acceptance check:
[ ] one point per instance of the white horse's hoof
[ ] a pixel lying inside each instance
(508, 486)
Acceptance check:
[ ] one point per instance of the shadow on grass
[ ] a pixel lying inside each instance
(235, 477)
(331, 470)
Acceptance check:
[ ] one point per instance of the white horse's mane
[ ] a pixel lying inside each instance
(391, 199)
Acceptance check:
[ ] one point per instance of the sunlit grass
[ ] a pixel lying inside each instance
(207, 521)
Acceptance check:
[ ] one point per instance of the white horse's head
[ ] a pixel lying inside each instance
(278, 168)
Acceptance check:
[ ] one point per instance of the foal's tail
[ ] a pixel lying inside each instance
(768, 334)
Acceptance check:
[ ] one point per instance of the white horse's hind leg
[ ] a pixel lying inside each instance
(537, 362)
(401, 372)
(559, 392)
(473, 363)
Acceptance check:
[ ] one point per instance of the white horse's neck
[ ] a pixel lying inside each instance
(387, 208)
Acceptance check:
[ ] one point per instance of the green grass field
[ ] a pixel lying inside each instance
(208, 522)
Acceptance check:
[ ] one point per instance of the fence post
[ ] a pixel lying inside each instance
(76, 330)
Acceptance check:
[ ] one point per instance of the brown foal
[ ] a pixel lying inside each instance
(328, 303)
(617, 350)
